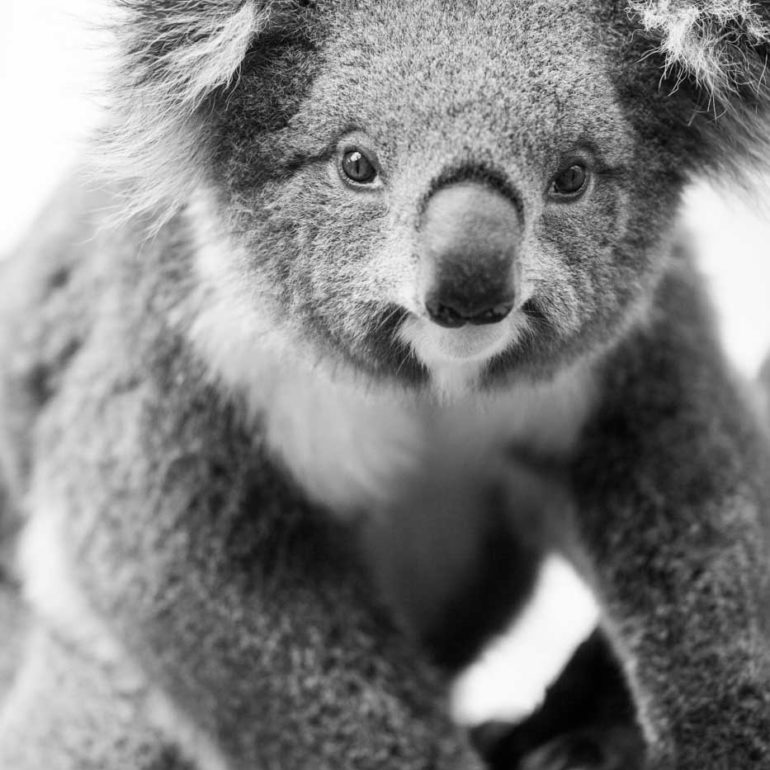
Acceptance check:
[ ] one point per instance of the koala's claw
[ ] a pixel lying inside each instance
(605, 747)
(614, 748)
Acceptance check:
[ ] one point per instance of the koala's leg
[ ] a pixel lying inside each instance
(68, 711)
(673, 529)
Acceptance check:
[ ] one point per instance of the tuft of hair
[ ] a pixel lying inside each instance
(172, 57)
(722, 48)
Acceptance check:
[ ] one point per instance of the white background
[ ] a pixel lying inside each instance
(51, 54)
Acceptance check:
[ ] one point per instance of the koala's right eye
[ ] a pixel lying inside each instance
(358, 168)
(570, 183)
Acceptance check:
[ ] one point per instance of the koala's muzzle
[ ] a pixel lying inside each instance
(469, 237)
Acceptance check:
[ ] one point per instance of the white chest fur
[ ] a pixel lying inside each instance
(347, 443)
(350, 449)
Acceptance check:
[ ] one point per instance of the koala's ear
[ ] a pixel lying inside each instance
(722, 49)
(173, 55)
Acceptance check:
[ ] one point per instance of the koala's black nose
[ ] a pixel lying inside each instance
(469, 238)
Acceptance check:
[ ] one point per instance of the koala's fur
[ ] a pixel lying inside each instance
(226, 413)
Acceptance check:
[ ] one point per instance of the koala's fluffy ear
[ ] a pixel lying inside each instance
(173, 56)
(722, 49)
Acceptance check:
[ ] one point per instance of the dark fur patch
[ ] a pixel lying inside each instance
(500, 583)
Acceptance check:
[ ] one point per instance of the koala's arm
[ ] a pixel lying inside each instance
(163, 536)
(673, 519)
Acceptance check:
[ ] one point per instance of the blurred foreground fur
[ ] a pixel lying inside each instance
(372, 305)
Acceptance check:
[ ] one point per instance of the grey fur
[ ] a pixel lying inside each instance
(228, 616)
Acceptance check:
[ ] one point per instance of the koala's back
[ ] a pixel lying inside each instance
(44, 317)
(15, 623)
(44, 321)
(75, 277)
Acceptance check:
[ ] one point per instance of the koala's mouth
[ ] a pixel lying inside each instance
(435, 345)
(457, 358)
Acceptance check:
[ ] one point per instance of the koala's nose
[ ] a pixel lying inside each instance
(469, 238)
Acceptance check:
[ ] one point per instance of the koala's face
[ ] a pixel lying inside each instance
(447, 194)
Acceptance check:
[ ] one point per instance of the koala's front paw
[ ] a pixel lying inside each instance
(612, 748)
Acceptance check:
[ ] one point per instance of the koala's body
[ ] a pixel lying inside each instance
(396, 283)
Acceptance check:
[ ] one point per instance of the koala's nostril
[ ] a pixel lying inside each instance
(494, 314)
(444, 315)
(452, 315)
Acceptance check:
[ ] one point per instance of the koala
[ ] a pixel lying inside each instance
(357, 312)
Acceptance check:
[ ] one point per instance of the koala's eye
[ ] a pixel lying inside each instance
(569, 183)
(358, 168)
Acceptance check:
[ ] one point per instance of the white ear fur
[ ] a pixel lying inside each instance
(723, 48)
(722, 44)
(175, 56)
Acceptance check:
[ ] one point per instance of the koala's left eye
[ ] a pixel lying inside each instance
(358, 168)
(569, 183)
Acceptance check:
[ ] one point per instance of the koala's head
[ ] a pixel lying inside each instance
(446, 193)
